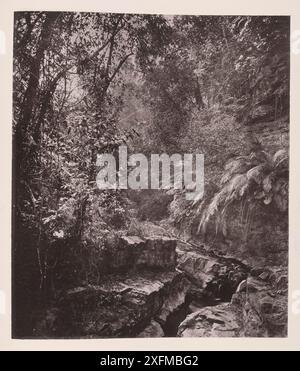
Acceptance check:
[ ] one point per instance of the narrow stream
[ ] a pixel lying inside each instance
(170, 327)
(193, 303)
(173, 321)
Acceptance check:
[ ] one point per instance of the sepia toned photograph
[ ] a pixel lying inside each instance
(150, 175)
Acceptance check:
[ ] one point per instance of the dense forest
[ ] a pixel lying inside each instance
(123, 262)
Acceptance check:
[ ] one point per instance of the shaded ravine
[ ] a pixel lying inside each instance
(192, 304)
(160, 293)
(170, 327)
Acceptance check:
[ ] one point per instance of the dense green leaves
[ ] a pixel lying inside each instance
(248, 181)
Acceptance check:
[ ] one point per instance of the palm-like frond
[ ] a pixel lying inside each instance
(258, 177)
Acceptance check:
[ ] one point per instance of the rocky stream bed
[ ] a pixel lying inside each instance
(167, 289)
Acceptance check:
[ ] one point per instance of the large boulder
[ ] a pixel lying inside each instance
(224, 320)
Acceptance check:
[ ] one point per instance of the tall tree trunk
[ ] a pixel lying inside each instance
(25, 265)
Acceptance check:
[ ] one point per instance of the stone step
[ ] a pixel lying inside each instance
(123, 306)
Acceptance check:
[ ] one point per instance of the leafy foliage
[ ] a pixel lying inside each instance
(85, 83)
(248, 180)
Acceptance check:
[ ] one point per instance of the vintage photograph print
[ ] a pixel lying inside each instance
(150, 175)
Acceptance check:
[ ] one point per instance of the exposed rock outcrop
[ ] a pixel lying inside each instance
(139, 290)
(124, 306)
(224, 320)
(202, 269)
(256, 310)
(133, 252)
(215, 276)
(159, 287)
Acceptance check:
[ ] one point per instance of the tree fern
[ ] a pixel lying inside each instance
(266, 182)
(257, 179)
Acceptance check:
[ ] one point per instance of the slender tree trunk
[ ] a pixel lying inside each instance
(25, 264)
